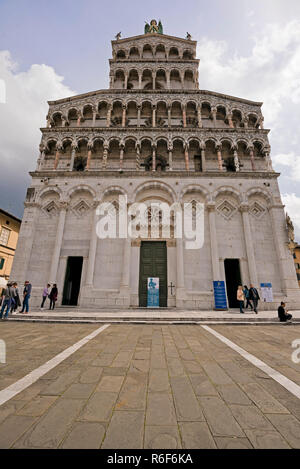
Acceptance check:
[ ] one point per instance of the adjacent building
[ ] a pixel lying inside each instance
(9, 233)
(154, 136)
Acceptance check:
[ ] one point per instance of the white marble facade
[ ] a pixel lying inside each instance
(244, 216)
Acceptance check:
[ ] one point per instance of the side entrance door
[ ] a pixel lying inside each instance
(153, 263)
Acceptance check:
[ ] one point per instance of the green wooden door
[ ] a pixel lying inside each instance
(153, 263)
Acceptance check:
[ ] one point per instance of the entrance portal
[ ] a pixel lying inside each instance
(233, 280)
(72, 281)
(153, 263)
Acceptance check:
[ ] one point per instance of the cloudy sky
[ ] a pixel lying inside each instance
(50, 50)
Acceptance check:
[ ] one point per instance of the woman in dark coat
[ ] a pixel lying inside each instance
(53, 296)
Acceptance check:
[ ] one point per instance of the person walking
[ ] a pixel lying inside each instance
(7, 294)
(241, 298)
(283, 314)
(45, 295)
(254, 297)
(53, 296)
(246, 293)
(26, 297)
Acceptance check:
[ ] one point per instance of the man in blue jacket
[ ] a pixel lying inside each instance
(26, 296)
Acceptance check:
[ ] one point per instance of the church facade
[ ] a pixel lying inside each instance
(154, 136)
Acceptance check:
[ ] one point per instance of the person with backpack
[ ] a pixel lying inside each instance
(7, 295)
(254, 297)
(53, 296)
(241, 298)
(15, 303)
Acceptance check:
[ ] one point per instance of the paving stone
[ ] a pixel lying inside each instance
(133, 393)
(186, 354)
(196, 435)
(140, 365)
(288, 426)
(91, 375)
(10, 407)
(143, 354)
(232, 394)
(175, 367)
(216, 373)
(108, 371)
(85, 435)
(159, 381)
(233, 443)
(160, 409)
(122, 359)
(158, 360)
(186, 403)
(79, 391)
(192, 367)
(60, 385)
(110, 383)
(236, 372)
(266, 439)
(99, 407)
(51, 428)
(219, 417)
(203, 386)
(12, 428)
(162, 437)
(37, 406)
(263, 399)
(105, 359)
(125, 431)
(292, 404)
(250, 417)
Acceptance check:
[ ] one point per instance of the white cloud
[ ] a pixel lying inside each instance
(25, 109)
(292, 205)
(270, 73)
(291, 161)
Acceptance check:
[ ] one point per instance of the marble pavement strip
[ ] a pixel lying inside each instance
(32, 377)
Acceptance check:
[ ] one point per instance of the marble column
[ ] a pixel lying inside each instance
(249, 245)
(153, 158)
(153, 116)
(89, 157)
(121, 156)
(138, 157)
(213, 242)
(139, 115)
(170, 159)
(251, 151)
(92, 249)
(79, 119)
(168, 80)
(184, 116)
(108, 118)
(72, 158)
(140, 81)
(153, 80)
(126, 81)
(125, 279)
(230, 121)
(220, 160)
(203, 160)
(214, 116)
(180, 287)
(105, 156)
(124, 116)
(169, 116)
(94, 118)
(58, 242)
(199, 116)
(186, 158)
(57, 155)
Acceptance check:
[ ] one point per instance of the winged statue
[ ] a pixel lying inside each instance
(153, 27)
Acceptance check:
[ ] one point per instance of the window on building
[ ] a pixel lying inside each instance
(4, 236)
(2, 260)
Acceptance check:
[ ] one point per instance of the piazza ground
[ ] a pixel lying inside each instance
(149, 386)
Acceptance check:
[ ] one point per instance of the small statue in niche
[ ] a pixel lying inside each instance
(188, 36)
(118, 36)
(290, 229)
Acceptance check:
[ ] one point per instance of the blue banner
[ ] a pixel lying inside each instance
(153, 293)
(220, 295)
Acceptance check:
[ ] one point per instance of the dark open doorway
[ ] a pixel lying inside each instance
(72, 281)
(153, 263)
(233, 280)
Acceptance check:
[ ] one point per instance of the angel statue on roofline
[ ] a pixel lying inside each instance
(153, 27)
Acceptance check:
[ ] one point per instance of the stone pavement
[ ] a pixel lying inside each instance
(149, 386)
(150, 315)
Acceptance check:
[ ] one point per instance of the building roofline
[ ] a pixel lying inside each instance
(141, 36)
(171, 92)
(4, 212)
